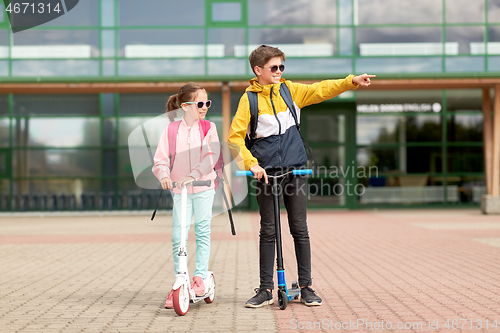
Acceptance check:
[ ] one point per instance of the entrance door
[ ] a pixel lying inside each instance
(330, 130)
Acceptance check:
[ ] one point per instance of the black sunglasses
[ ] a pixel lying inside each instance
(199, 105)
(274, 69)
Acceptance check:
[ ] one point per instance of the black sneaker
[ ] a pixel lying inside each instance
(263, 297)
(309, 297)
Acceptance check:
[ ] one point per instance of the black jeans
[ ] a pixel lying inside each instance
(294, 190)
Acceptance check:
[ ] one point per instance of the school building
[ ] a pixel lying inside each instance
(425, 134)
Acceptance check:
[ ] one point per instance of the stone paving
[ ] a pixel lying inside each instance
(377, 271)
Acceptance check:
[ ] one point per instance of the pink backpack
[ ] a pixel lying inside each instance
(173, 127)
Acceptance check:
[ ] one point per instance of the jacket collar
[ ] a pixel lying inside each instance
(257, 87)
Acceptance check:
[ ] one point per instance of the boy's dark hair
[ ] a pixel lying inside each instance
(261, 55)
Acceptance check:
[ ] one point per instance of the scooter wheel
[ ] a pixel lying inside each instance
(211, 281)
(282, 299)
(181, 300)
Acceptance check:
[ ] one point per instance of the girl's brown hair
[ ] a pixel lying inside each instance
(185, 94)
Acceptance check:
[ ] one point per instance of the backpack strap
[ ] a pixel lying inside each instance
(204, 128)
(287, 97)
(172, 130)
(254, 112)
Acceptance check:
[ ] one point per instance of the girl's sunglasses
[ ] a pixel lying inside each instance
(200, 105)
(274, 69)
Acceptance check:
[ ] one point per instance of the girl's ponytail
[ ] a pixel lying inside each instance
(172, 106)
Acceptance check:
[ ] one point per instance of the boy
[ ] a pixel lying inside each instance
(277, 145)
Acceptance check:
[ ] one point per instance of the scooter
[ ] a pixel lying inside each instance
(183, 294)
(284, 294)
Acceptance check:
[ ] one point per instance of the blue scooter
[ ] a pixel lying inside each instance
(284, 294)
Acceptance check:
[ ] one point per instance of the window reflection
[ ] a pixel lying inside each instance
(277, 12)
(4, 132)
(4, 44)
(295, 42)
(57, 186)
(56, 105)
(465, 159)
(401, 159)
(398, 11)
(4, 68)
(161, 12)
(127, 125)
(464, 11)
(56, 163)
(465, 128)
(170, 43)
(4, 105)
(56, 132)
(85, 14)
(325, 128)
(139, 104)
(30, 68)
(318, 66)
(397, 129)
(402, 41)
(464, 100)
(493, 11)
(400, 65)
(174, 67)
(228, 38)
(465, 64)
(469, 39)
(493, 41)
(328, 158)
(56, 44)
(109, 132)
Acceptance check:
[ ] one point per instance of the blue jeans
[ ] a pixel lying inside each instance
(201, 205)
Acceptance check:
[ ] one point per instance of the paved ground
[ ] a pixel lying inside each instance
(377, 271)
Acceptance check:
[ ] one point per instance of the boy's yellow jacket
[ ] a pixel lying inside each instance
(276, 143)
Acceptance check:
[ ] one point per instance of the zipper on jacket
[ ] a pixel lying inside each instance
(279, 126)
(189, 148)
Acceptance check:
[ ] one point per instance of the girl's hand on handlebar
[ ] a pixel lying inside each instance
(166, 183)
(184, 181)
(259, 172)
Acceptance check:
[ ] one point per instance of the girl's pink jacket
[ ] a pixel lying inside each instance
(191, 158)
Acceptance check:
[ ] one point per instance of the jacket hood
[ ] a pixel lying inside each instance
(257, 87)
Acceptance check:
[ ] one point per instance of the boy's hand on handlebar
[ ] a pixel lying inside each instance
(259, 172)
(184, 181)
(166, 183)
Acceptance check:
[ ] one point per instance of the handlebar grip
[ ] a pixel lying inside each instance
(196, 183)
(244, 173)
(303, 172)
(201, 183)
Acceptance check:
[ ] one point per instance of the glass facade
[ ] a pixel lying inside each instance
(210, 39)
(70, 151)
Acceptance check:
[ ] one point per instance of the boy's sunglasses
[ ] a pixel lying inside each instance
(274, 69)
(199, 105)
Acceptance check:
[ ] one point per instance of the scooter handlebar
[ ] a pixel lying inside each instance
(240, 173)
(195, 183)
(294, 172)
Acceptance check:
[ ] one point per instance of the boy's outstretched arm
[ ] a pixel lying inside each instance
(363, 80)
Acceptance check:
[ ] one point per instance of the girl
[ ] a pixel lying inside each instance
(193, 160)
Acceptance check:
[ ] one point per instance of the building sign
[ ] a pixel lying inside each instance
(392, 108)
